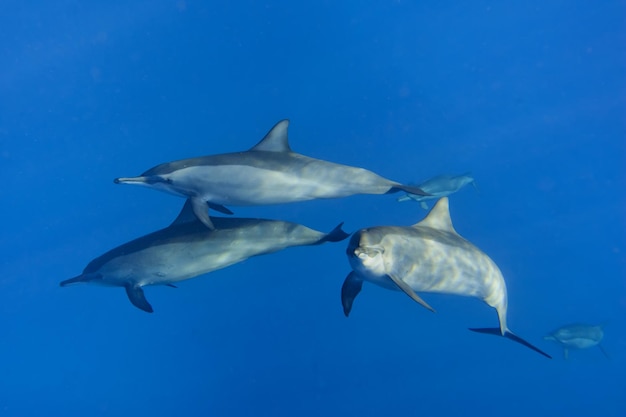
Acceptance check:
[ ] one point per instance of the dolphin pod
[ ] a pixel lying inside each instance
(427, 257)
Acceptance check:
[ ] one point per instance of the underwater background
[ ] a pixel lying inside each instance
(530, 97)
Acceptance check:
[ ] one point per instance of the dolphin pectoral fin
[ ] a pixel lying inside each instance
(349, 290)
(220, 208)
(171, 285)
(423, 205)
(409, 291)
(137, 298)
(604, 351)
(509, 335)
(407, 189)
(403, 198)
(201, 210)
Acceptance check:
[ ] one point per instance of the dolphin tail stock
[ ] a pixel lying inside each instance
(349, 290)
(335, 235)
(509, 335)
(137, 297)
(407, 189)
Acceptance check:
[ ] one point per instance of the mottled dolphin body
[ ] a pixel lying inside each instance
(269, 173)
(429, 256)
(439, 186)
(186, 249)
(577, 336)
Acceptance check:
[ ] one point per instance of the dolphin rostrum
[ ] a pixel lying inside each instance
(577, 336)
(186, 249)
(439, 186)
(269, 173)
(427, 257)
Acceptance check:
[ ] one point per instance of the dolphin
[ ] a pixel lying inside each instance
(186, 249)
(429, 256)
(577, 336)
(269, 173)
(439, 186)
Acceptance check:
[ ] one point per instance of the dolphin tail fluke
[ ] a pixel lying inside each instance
(512, 336)
(335, 235)
(404, 198)
(604, 351)
(349, 290)
(407, 189)
(137, 298)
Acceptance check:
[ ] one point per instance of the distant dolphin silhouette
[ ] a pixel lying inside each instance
(431, 257)
(577, 336)
(439, 186)
(186, 249)
(269, 173)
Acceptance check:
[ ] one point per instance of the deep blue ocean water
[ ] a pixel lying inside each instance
(530, 97)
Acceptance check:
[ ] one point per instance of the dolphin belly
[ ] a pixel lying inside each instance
(247, 185)
(429, 265)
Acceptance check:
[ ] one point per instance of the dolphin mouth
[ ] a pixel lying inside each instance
(364, 252)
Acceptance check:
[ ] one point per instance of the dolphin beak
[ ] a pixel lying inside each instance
(151, 179)
(81, 278)
(127, 180)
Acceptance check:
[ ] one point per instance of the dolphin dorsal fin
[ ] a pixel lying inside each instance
(276, 139)
(186, 215)
(439, 217)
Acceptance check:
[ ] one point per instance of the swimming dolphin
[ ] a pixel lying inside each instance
(439, 186)
(577, 336)
(268, 173)
(186, 249)
(427, 257)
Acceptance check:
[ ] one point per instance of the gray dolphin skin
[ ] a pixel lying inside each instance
(186, 249)
(427, 257)
(439, 186)
(268, 173)
(577, 336)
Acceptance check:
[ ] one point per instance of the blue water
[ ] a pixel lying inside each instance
(528, 96)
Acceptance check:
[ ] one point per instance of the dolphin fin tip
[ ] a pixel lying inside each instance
(137, 298)
(511, 336)
(335, 235)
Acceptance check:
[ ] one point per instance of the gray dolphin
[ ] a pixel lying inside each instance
(439, 186)
(431, 257)
(577, 336)
(186, 249)
(269, 173)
